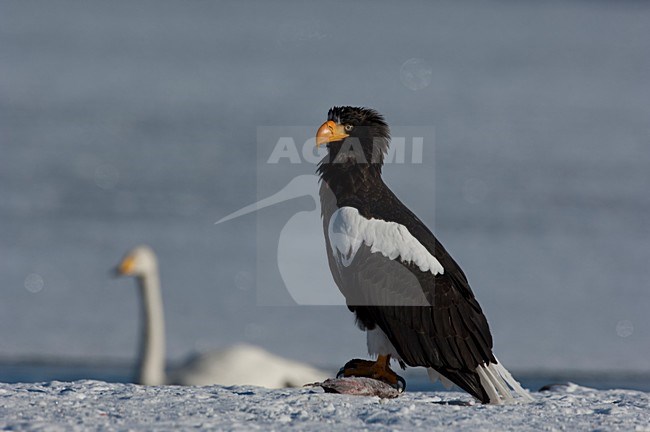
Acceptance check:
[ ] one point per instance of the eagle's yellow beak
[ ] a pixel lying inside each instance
(328, 132)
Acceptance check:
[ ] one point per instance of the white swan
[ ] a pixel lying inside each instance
(241, 364)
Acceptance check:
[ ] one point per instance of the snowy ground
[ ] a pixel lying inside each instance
(87, 405)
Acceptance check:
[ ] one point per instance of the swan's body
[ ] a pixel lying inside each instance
(243, 364)
(240, 364)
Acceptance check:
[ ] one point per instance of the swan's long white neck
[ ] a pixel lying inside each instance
(152, 356)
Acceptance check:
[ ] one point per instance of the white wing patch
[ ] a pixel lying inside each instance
(348, 230)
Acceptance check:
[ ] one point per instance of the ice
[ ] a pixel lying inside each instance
(93, 405)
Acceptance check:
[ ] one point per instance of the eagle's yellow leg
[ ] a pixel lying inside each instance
(379, 370)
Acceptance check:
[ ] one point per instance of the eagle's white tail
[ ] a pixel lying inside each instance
(499, 384)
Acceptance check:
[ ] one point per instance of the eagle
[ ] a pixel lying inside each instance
(406, 291)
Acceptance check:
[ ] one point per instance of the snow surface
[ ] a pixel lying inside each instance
(88, 405)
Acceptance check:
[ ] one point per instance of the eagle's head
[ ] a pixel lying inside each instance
(354, 135)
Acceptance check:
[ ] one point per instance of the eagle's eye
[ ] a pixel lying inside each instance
(348, 127)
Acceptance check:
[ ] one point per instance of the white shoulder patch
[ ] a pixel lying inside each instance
(347, 230)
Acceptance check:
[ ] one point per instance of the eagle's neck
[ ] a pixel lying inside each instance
(351, 184)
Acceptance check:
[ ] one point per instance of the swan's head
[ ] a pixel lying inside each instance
(139, 261)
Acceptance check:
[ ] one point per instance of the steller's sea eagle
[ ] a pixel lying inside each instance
(406, 291)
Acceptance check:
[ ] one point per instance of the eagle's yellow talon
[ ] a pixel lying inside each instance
(379, 370)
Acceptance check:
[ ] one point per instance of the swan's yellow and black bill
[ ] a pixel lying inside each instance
(328, 132)
(126, 266)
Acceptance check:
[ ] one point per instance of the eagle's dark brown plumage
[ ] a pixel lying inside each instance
(448, 330)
